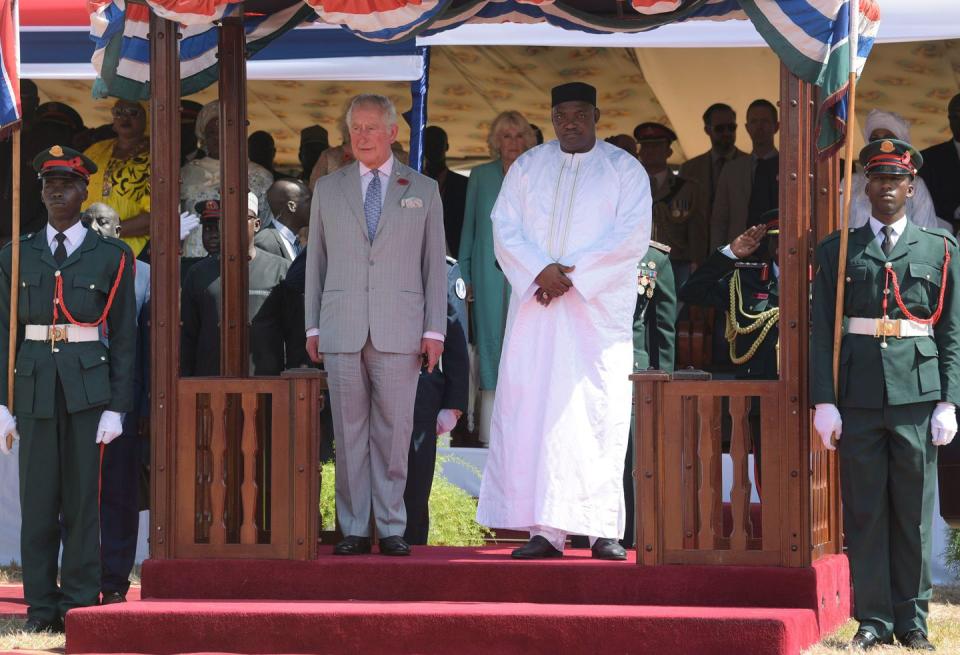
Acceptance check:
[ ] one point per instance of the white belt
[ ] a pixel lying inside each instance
(66, 333)
(891, 327)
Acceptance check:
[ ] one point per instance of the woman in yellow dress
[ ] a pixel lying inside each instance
(122, 180)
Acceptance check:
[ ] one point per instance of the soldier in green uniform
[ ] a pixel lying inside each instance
(742, 279)
(899, 383)
(654, 341)
(70, 390)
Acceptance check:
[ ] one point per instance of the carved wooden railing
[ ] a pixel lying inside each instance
(246, 480)
(682, 517)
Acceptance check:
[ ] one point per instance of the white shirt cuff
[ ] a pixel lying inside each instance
(313, 332)
(433, 335)
(728, 251)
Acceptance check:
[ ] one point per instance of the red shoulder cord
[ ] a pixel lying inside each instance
(58, 300)
(892, 275)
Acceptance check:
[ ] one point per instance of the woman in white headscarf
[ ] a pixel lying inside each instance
(920, 211)
(200, 178)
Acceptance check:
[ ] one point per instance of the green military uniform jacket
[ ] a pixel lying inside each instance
(709, 286)
(92, 374)
(680, 218)
(654, 318)
(908, 370)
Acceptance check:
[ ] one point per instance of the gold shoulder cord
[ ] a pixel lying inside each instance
(765, 320)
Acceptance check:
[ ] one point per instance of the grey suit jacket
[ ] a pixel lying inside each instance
(700, 170)
(732, 203)
(393, 289)
(269, 239)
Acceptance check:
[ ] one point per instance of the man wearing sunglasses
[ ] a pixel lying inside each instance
(748, 186)
(720, 124)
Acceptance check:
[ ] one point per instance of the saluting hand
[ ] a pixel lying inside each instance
(747, 243)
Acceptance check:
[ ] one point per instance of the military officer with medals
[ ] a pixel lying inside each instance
(679, 208)
(742, 279)
(70, 389)
(899, 383)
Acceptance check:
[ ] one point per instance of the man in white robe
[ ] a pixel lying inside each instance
(571, 222)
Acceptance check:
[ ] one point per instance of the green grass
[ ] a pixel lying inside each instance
(452, 510)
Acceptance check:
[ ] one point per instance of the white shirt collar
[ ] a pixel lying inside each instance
(74, 236)
(385, 169)
(898, 226)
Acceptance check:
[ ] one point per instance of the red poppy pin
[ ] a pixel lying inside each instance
(402, 181)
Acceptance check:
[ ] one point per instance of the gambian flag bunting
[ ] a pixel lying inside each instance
(9, 63)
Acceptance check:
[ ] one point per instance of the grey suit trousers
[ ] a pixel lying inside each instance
(372, 395)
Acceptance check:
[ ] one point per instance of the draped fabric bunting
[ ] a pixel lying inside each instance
(812, 38)
(121, 56)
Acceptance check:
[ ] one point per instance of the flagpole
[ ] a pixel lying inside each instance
(854, 33)
(14, 233)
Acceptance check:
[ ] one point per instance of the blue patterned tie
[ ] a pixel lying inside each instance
(372, 205)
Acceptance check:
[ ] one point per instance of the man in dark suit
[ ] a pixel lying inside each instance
(289, 201)
(441, 401)
(941, 169)
(453, 187)
(200, 304)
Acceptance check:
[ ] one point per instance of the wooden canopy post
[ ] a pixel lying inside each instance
(797, 114)
(165, 277)
(234, 360)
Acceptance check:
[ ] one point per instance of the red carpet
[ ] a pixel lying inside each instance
(13, 606)
(466, 600)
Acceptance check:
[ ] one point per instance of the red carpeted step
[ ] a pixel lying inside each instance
(179, 626)
(489, 575)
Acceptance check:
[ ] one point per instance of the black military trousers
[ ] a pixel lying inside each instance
(888, 478)
(421, 461)
(59, 474)
(119, 508)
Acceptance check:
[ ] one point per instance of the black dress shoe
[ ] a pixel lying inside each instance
(608, 549)
(865, 640)
(353, 546)
(394, 545)
(36, 626)
(915, 640)
(536, 548)
(113, 597)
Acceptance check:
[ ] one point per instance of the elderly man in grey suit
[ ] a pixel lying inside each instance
(376, 310)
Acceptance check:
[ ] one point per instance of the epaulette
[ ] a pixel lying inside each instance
(833, 236)
(662, 247)
(940, 232)
(119, 244)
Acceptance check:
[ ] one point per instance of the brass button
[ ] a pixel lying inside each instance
(56, 273)
(92, 286)
(888, 265)
(883, 344)
(102, 358)
(56, 350)
(848, 279)
(928, 276)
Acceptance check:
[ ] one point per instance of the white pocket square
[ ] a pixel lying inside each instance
(411, 203)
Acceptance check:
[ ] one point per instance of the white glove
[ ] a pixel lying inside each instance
(827, 423)
(8, 426)
(447, 420)
(188, 222)
(943, 423)
(111, 426)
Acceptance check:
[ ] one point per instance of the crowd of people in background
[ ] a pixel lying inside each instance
(713, 228)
